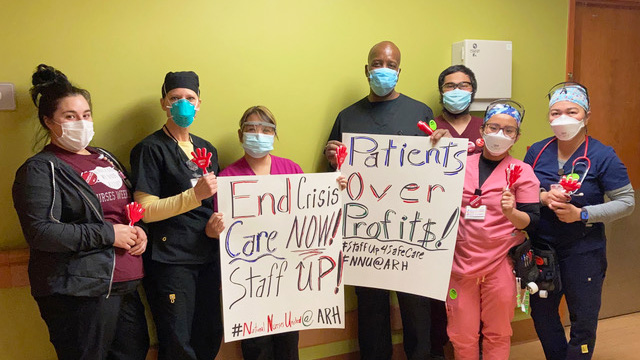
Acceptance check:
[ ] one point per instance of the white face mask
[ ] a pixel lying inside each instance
(565, 127)
(498, 143)
(76, 135)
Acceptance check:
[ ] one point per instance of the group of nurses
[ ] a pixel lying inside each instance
(182, 269)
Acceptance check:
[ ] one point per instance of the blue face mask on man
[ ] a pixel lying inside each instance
(383, 80)
(182, 112)
(456, 100)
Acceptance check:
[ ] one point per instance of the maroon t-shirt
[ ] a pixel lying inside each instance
(472, 131)
(106, 182)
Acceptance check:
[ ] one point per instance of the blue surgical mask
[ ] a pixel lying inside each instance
(456, 101)
(257, 145)
(383, 80)
(183, 112)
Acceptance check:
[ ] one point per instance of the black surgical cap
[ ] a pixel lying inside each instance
(181, 79)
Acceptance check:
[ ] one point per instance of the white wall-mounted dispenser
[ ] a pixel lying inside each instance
(490, 61)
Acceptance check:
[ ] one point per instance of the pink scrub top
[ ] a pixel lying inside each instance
(483, 244)
(279, 166)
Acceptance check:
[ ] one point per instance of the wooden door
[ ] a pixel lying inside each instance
(604, 54)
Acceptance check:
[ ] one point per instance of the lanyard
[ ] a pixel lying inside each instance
(190, 164)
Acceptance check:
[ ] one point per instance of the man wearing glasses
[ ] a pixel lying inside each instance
(457, 85)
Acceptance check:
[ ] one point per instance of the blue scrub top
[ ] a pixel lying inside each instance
(607, 173)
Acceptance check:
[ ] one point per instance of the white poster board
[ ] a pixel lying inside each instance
(280, 254)
(401, 211)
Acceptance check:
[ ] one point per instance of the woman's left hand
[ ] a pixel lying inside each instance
(508, 202)
(342, 182)
(141, 242)
(565, 211)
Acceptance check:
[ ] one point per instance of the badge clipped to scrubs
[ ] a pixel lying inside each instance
(475, 209)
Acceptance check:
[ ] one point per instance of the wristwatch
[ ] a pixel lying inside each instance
(584, 215)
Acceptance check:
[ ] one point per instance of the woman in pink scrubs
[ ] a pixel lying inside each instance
(494, 214)
(257, 133)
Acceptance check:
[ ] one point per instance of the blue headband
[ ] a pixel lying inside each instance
(572, 93)
(503, 109)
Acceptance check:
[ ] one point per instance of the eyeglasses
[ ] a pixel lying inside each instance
(465, 85)
(259, 127)
(493, 128)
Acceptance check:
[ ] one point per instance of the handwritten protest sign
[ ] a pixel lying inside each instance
(280, 254)
(401, 211)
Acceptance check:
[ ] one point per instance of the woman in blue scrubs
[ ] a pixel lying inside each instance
(573, 224)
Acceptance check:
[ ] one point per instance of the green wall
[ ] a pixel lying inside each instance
(304, 60)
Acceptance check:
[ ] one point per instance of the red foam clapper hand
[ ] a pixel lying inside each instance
(512, 173)
(202, 159)
(570, 184)
(341, 155)
(427, 128)
(134, 212)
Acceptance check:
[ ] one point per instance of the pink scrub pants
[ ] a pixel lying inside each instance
(489, 300)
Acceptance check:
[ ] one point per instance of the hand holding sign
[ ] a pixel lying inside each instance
(134, 212)
(341, 155)
(512, 173)
(427, 129)
(202, 159)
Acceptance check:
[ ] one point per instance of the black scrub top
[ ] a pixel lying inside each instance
(160, 168)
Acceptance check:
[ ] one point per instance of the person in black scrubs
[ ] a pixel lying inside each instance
(182, 264)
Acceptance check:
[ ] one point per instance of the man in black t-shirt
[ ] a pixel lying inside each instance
(385, 111)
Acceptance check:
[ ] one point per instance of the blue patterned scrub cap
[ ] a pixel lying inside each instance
(505, 106)
(569, 91)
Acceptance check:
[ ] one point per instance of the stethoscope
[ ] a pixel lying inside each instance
(579, 162)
